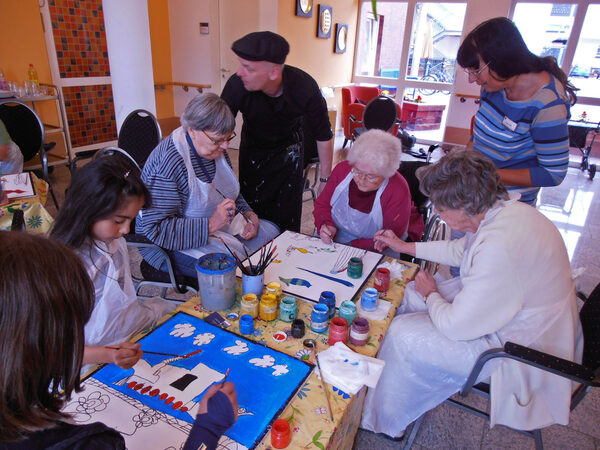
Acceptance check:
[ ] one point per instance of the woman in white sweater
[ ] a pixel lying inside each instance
(515, 285)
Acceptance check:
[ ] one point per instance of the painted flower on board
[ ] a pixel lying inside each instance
(34, 222)
(92, 403)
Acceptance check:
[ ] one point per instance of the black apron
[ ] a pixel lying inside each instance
(271, 180)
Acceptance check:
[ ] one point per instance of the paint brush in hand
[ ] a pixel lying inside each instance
(225, 378)
(373, 243)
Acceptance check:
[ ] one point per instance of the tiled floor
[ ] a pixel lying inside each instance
(574, 207)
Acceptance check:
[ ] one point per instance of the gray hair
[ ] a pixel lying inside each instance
(378, 149)
(462, 179)
(208, 112)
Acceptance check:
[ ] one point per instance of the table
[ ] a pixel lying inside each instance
(307, 412)
(37, 219)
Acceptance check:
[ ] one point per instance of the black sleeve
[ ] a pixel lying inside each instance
(316, 114)
(232, 93)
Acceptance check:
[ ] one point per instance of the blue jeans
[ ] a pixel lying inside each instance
(186, 265)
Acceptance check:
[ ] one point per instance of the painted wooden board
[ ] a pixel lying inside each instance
(296, 251)
(17, 185)
(156, 401)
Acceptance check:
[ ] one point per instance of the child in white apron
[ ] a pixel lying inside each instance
(103, 199)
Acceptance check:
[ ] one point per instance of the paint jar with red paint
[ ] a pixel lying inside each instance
(338, 331)
(359, 331)
(382, 279)
(281, 434)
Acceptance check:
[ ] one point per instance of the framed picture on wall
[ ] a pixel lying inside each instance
(325, 22)
(341, 35)
(304, 8)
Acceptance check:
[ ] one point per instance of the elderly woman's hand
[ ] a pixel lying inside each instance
(327, 233)
(222, 216)
(251, 227)
(424, 283)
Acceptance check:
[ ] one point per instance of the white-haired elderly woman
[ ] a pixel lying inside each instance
(366, 193)
(515, 285)
(195, 192)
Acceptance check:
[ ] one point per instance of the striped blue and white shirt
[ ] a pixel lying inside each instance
(165, 224)
(529, 134)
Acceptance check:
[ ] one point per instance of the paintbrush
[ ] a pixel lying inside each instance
(373, 242)
(415, 275)
(145, 351)
(225, 378)
(238, 262)
(225, 198)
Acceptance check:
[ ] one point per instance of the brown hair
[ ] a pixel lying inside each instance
(46, 298)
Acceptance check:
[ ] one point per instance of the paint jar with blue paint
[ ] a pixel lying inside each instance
(319, 318)
(216, 280)
(288, 309)
(246, 324)
(328, 298)
(348, 311)
(369, 299)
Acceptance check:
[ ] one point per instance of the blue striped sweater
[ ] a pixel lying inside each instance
(539, 142)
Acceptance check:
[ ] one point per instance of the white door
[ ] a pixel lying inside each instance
(236, 19)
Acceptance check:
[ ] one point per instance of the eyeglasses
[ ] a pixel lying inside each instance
(365, 176)
(475, 73)
(219, 142)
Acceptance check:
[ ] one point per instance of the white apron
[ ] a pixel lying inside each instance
(118, 313)
(203, 199)
(351, 223)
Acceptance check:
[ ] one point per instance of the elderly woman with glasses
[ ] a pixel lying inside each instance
(522, 120)
(366, 193)
(515, 285)
(196, 200)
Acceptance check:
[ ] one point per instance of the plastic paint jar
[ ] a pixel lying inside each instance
(298, 328)
(355, 267)
(288, 308)
(348, 311)
(268, 307)
(281, 434)
(319, 318)
(338, 331)
(328, 298)
(274, 288)
(369, 299)
(249, 305)
(216, 280)
(359, 331)
(382, 279)
(246, 324)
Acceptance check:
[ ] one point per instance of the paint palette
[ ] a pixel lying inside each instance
(305, 266)
(157, 400)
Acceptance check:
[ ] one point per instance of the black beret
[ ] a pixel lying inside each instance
(262, 46)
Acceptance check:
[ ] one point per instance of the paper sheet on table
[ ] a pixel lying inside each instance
(347, 370)
(383, 306)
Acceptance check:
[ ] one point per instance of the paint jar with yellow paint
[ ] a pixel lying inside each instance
(249, 305)
(268, 307)
(274, 288)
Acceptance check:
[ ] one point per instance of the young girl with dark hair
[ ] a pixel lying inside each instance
(46, 298)
(102, 201)
(521, 124)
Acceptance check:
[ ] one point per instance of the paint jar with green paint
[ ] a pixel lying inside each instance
(348, 311)
(288, 309)
(355, 267)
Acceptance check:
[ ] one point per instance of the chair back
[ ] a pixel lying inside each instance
(139, 135)
(380, 113)
(24, 127)
(354, 100)
(590, 322)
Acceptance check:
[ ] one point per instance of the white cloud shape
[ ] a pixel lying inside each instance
(204, 338)
(183, 330)
(241, 347)
(265, 361)
(280, 369)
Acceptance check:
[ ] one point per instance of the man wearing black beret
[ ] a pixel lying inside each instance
(274, 100)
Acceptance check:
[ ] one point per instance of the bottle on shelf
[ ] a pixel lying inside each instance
(32, 74)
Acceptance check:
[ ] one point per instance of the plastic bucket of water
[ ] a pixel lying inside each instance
(216, 280)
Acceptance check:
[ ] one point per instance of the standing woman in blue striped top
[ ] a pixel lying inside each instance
(522, 119)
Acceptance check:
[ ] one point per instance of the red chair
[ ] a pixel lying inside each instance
(354, 101)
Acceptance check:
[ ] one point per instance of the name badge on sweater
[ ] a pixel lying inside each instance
(512, 126)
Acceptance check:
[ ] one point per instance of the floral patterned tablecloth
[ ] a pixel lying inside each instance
(37, 219)
(307, 413)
